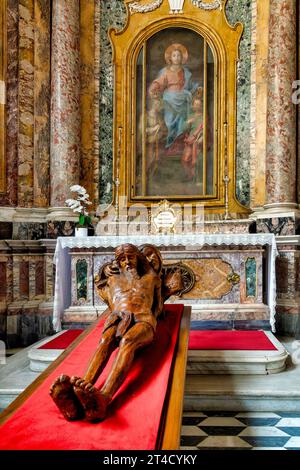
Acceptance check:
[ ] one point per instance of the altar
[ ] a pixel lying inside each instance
(234, 277)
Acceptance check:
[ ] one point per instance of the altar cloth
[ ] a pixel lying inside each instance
(134, 417)
(62, 258)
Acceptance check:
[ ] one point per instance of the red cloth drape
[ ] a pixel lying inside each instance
(230, 340)
(134, 416)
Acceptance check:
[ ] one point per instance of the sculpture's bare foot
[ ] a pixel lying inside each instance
(63, 395)
(93, 401)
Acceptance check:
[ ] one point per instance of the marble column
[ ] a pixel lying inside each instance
(26, 104)
(65, 102)
(42, 60)
(281, 115)
(298, 107)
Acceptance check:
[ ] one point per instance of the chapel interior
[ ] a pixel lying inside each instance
(182, 108)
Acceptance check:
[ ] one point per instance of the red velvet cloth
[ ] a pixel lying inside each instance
(134, 416)
(62, 341)
(230, 340)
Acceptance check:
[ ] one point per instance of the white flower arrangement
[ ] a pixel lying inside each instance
(80, 204)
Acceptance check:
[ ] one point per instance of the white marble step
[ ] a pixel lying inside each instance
(238, 362)
(40, 359)
(249, 392)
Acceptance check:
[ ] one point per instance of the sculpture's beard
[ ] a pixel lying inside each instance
(131, 271)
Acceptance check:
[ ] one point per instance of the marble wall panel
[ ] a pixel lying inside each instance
(49, 277)
(282, 273)
(3, 327)
(32, 276)
(82, 279)
(287, 324)
(40, 277)
(251, 277)
(60, 229)
(29, 230)
(235, 261)
(282, 226)
(113, 14)
(3, 280)
(26, 108)
(286, 276)
(28, 333)
(241, 11)
(13, 331)
(42, 42)
(10, 279)
(16, 277)
(25, 278)
(211, 279)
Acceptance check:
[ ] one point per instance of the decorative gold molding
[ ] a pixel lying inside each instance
(3, 52)
(135, 7)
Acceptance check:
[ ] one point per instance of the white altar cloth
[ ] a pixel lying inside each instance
(62, 259)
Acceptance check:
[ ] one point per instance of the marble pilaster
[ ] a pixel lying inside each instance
(259, 93)
(9, 198)
(65, 99)
(26, 106)
(298, 110)
(281, 115)
(88, 42)
(42, 43)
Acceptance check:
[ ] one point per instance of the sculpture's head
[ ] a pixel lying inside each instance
(153, 256)
(130, 258)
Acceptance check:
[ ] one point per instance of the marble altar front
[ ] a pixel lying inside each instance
(235, 283)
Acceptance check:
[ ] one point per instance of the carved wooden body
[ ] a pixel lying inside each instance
(134, 289)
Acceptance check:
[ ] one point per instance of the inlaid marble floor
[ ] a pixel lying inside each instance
(231, 430)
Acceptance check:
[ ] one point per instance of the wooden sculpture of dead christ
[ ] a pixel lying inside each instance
(133, 289)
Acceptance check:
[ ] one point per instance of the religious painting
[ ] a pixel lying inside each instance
(175, 117)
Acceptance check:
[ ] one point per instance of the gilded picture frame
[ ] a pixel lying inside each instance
(134, 74)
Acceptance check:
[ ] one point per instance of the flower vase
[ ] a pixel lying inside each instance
(81, 231)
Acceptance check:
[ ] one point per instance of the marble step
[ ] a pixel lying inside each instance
(238, 362)
(247, 392)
